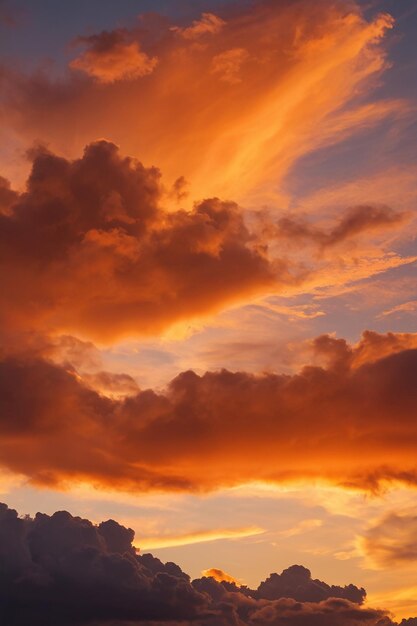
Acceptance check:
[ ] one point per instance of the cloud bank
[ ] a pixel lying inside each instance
(349, 420)
(64, 570)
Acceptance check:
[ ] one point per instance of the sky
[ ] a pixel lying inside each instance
(208, 315)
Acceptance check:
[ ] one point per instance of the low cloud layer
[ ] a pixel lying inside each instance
(64, 570)
(349, 420)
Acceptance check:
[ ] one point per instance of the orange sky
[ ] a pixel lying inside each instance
(207, 262)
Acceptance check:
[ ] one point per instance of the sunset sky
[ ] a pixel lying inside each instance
(209, 292)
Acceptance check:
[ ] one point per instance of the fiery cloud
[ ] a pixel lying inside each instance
(89, 249)
(348, 423)
(219, 575)
(232, 103)
(109, 58)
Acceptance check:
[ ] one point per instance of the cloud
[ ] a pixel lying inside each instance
(109, 58)
(294, 72)
(7, 196)
(371, 347)
(357, 220)
(209, 24)
(164, 541)
(392, 541)
(89, 250)
(219, 575)
(296, 582)
(227, 64)
(404, 307)
(343, 422)
(61, 569)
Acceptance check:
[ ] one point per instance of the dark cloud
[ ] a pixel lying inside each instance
(296, 582)
(357, 220)
(349, 423)
(63, 570)
(7, 196)
(88, 248)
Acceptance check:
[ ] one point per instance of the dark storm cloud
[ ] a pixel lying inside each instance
(63, 570)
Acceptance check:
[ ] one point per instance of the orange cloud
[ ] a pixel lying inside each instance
(346, 423)
(232, 110)
(164, 541)
(88, 248)
(219, 575)
(209, 24)
(109, 58)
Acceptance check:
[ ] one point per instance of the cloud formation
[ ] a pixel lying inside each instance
(357, 220)
(110, 57)
(89, 249)
(230, 102)
(347, 423)
(64, 570)
(392, 541)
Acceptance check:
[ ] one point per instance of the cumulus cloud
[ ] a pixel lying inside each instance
(89, 249)
(372, 346)
(110, 56)
(348, 423)
(296, 582)
(219, 575)
(61, 569)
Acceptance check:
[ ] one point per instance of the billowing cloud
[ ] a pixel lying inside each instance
(89, 250)
(61, 569)
(64, 570)
(110, 57)
(219, 575)
(296, 582)
(347, 423)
